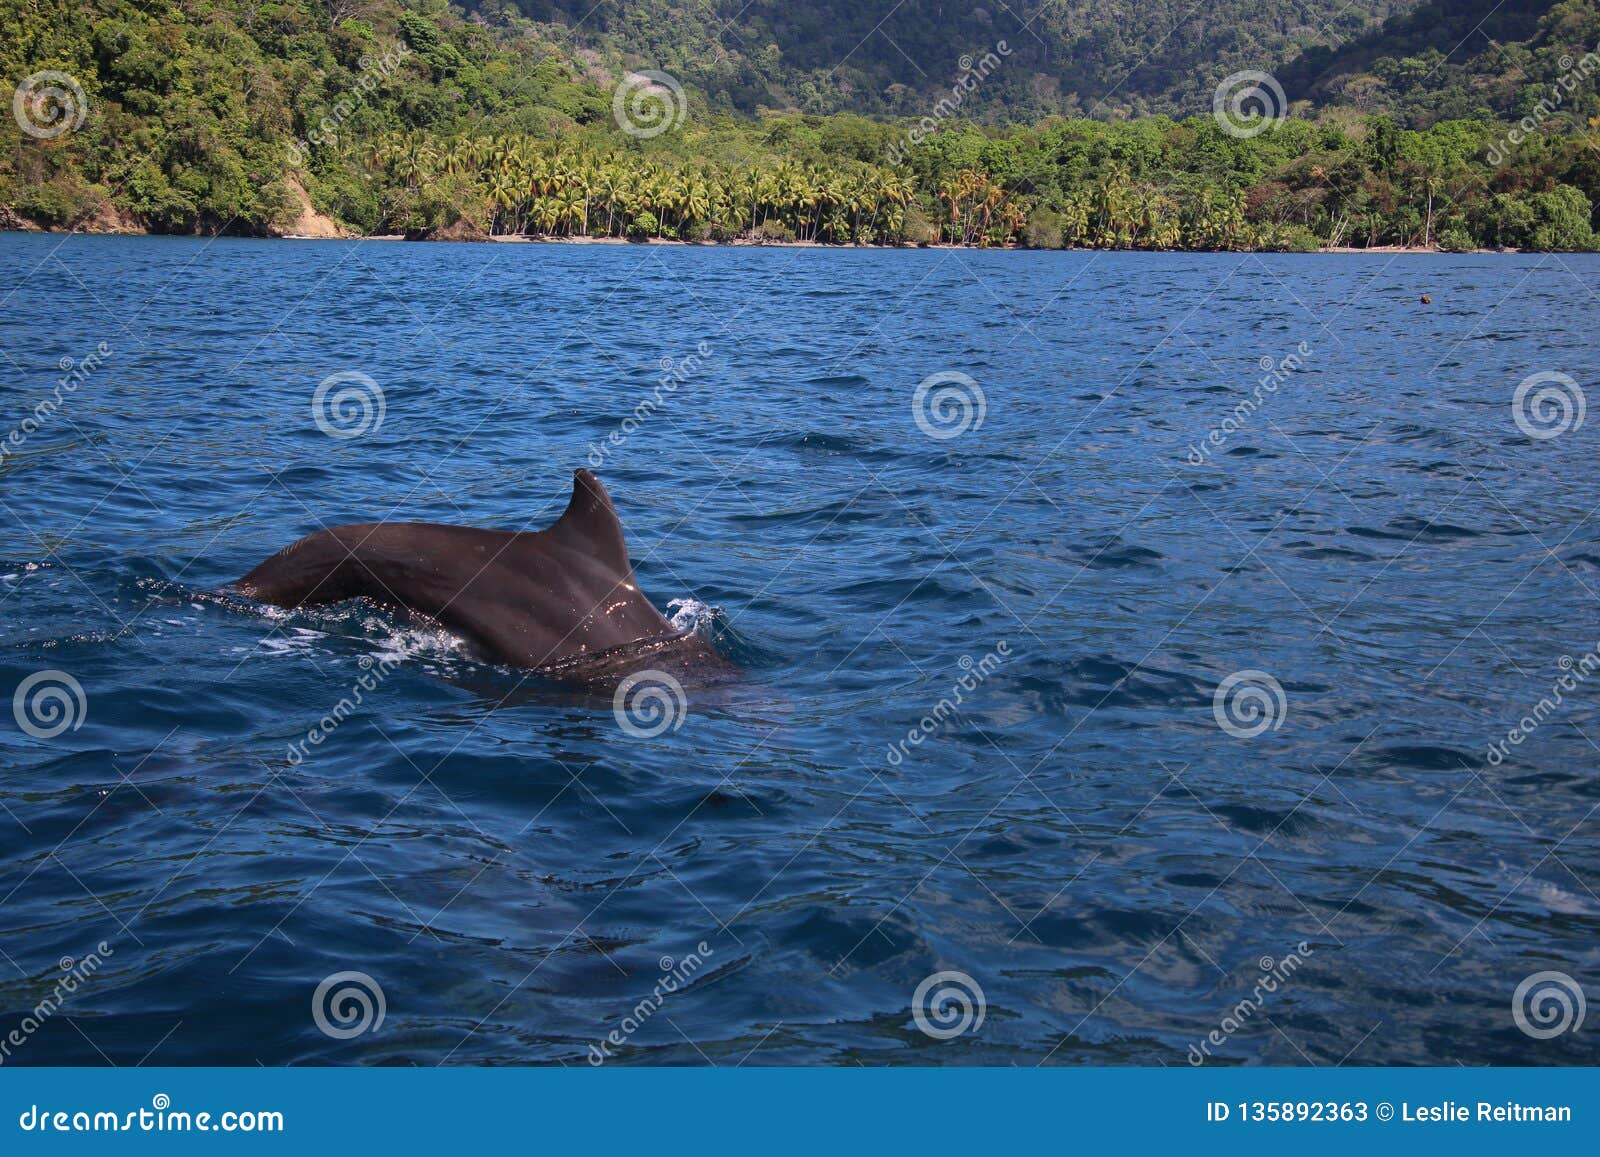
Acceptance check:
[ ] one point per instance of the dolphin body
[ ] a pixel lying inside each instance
(562, 601)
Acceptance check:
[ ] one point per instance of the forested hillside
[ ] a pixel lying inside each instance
(419, 118)
(1460, 58)
(1075, 57)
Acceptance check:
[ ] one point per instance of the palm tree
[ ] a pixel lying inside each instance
(611, 187)
(502, 196)
(417, 159)
(695, 201)
(557, 186)
(545, 214)
(572, 206)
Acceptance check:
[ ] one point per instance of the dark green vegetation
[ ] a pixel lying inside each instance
(1450, 59)
(410, 116)
(1097, 58)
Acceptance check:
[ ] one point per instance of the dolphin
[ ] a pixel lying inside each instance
(562, 601)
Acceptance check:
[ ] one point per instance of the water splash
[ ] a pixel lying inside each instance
(692, 615)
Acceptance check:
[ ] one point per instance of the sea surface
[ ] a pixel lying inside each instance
(1149, 720)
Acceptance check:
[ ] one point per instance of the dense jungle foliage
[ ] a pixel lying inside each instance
(422, 118)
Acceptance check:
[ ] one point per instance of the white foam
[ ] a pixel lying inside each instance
(691, 614)
(1558, 900)
(298, 641)
(417, 643)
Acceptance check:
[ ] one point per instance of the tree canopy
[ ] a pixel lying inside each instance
(413, 116)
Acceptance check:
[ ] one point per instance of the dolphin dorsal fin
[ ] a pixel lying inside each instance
(590, 525)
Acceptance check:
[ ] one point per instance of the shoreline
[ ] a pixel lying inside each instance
(747, 243)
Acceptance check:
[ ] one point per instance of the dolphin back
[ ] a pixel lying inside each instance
(546, 599)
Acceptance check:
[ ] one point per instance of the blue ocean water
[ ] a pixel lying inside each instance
(1227, 700)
